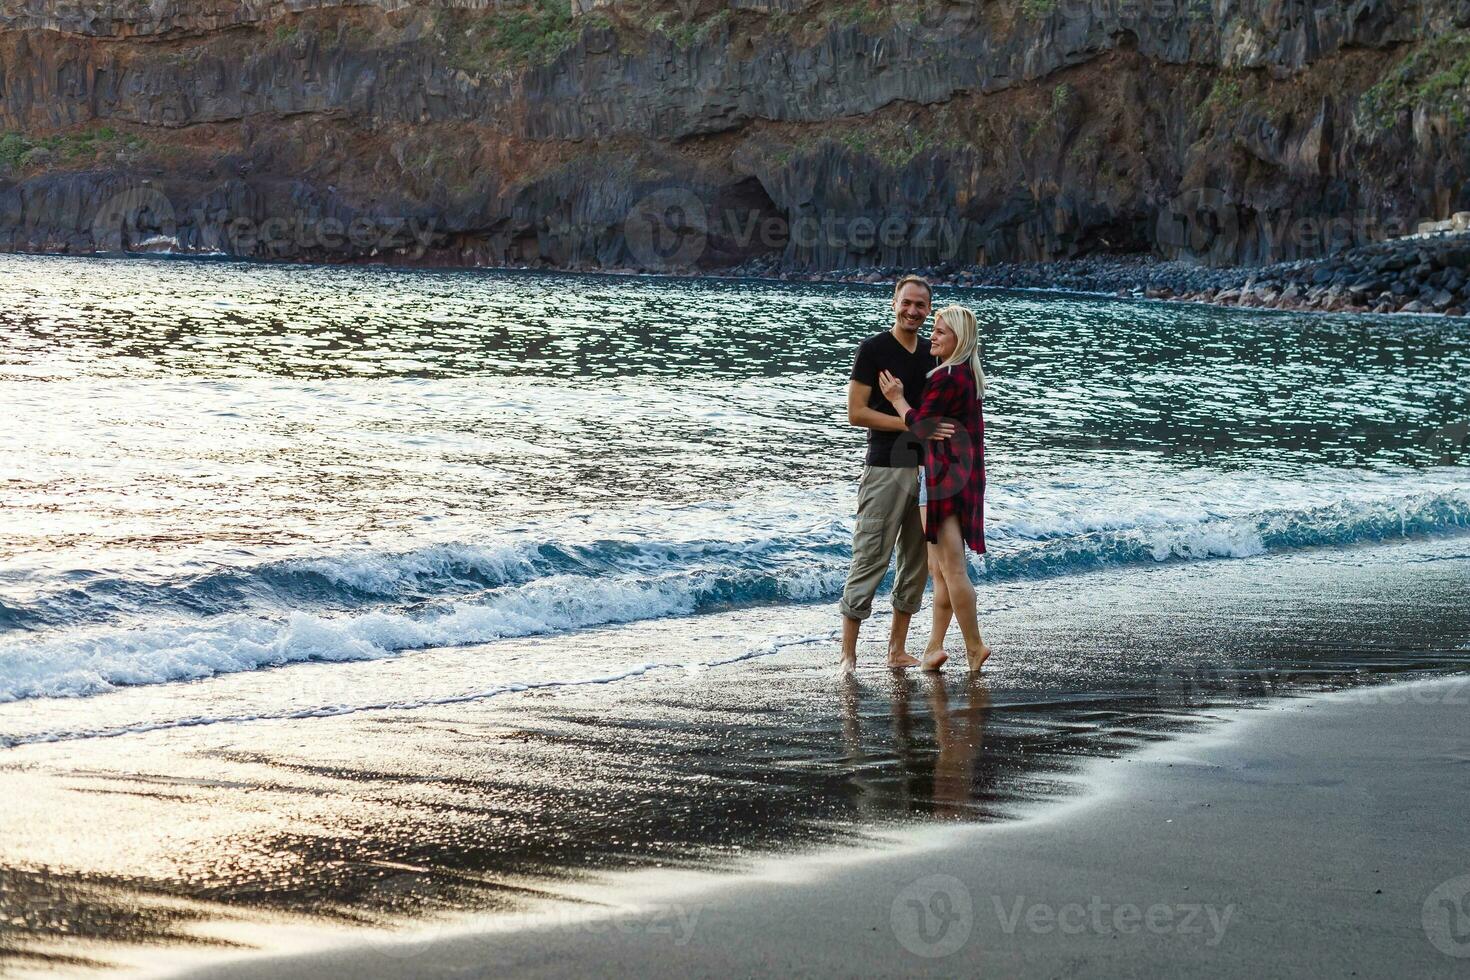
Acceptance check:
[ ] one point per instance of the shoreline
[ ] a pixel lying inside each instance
(1426, 275)
(691, 923)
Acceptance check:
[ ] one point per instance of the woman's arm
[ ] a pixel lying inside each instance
(932, 420)
(935, 410)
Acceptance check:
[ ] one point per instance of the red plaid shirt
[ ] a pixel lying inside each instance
(954, 468)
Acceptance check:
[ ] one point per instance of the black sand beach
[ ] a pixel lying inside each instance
(1316, 837)
(1311, 838)
(194, 844)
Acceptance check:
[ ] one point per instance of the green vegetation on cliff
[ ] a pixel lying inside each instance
(1225, 96)
(686, 31)
(20, 152)
(1434, 75)
(510, 38)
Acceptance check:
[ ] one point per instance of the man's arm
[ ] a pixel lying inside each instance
(863, 417)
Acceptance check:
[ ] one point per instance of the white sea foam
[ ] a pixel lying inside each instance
(631, 580)
(80, 663)
(381, 573)
(607, 675)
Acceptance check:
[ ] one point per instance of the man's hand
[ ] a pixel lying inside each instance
(942, 430)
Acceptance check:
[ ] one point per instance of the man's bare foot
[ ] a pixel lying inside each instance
(899, 660)
(977, 657)
(847, 664)
(934, 659)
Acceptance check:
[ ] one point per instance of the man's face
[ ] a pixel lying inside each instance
(911, 307)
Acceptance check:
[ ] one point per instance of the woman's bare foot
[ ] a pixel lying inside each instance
(977, 657)
(847, 664)
(934, 659)
(901, 661)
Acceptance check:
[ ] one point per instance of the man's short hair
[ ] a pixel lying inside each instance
(916, 281)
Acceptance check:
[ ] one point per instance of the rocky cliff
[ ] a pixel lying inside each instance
(767, 135)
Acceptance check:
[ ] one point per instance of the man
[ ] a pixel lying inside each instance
(888, 493)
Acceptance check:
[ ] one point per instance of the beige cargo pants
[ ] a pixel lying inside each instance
(887, 514)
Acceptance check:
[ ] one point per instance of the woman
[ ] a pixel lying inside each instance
(952, 483)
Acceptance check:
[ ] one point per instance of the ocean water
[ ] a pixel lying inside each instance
(213, 468)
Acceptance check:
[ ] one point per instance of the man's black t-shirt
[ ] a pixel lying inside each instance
(884, 353)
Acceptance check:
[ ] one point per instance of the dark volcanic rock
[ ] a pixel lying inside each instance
(769, 138)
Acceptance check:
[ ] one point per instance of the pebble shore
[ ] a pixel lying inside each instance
(1421, 274)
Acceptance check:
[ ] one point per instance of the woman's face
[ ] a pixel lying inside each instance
(943, 342)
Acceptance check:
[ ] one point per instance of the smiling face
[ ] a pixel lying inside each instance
(942, 343)
(911, 307)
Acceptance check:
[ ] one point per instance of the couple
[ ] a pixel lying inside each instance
(919, 399)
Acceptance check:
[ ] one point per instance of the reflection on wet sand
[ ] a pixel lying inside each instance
(960, 733)
(947, 763)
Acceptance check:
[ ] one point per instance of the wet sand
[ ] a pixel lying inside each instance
(518, 816)
(1318, 837)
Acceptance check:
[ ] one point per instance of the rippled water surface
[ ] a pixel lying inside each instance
(211, 467)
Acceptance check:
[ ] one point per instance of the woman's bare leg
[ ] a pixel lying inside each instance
(951, 554)
(934, 655)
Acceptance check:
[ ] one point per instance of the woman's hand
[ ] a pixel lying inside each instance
(892, 388)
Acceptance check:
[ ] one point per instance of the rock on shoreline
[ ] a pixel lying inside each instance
(1419, 274)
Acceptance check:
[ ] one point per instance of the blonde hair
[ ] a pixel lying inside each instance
(967, 342)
